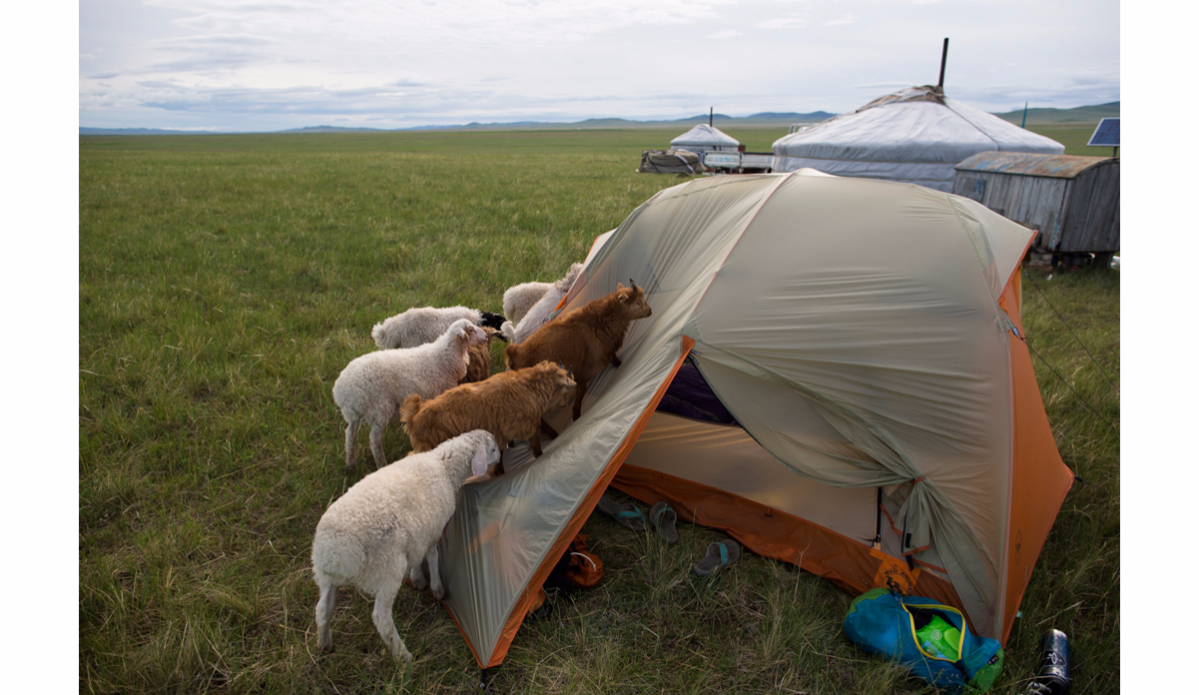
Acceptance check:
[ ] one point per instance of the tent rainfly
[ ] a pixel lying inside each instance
(705, 138)
(916, 135)
(864, 338)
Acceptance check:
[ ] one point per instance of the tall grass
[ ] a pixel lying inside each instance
(224, 281)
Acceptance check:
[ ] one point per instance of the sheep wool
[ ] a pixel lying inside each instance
(540, 312)
(381, 528)
(420, 325)
(372, 387)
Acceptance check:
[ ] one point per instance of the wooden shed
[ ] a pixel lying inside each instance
(1074, 202)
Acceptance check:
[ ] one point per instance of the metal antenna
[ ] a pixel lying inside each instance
(944, 54)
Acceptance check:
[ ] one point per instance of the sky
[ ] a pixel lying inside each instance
(262, 65)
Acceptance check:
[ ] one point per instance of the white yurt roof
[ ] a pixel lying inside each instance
(705, 136)
(915, 135)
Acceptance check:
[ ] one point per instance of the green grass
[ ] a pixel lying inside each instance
(224, 281)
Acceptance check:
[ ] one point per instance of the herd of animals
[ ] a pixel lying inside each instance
(432, 373)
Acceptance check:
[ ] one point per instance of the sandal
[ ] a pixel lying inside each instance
(627, 515)
(720, 554)
(663, 518)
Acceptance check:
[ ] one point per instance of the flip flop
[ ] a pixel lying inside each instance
(627, 515)
(663, 517)
(720, 554)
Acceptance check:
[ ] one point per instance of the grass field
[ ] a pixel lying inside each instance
(224, 281)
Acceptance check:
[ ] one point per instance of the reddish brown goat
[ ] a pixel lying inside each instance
(584, 340)
(480, 358)
(509, 405)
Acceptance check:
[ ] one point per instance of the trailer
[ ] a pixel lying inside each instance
(739, 162)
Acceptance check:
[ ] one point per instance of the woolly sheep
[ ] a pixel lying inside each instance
(373, 386)
(381, 529)
(539, 313)
(480, 358)
(518, 299)
(421, 325)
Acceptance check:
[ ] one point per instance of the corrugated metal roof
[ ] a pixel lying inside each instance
(1061, 166)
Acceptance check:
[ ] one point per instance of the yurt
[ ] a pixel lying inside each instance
(916, 135)
(864, 341)
(705, 138)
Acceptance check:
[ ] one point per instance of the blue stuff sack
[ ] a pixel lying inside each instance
(891, 625)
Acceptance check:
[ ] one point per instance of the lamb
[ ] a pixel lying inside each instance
(480, 358)
(421, 325)
(373, 386)
(509, 405)
(381, 529)
(585, 340)
(539, 312)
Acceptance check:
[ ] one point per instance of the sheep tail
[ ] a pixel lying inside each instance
(409, 408)
(510, 354)
(508, 331)
(377, 335)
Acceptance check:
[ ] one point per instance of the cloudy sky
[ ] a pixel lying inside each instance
(237, 65)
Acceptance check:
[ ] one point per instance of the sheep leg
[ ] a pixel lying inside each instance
(580, 391)
(417, 577)
(351, 436)
(324, 614)
(386, 625)
(434, 573)
(377, 446)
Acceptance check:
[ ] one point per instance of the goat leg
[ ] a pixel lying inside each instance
(615, 360)
(580, 391)
(535, 443)
(548, 431)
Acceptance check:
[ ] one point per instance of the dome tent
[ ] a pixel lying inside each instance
(916, 135)
(866, 338)
(705, 138)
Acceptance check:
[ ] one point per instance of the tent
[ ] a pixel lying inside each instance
(865, 339)
(705, 138)
(915, 135)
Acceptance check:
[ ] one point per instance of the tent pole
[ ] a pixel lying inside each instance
(944, 54)
(710, 110)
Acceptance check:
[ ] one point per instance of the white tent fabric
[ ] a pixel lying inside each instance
(915, 136)
(851, 326)
(705, 138)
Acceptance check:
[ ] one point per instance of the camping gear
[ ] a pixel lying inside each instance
(720, 554)
(1053, 678)
(705, 138)
(865, 337)
(627, 515)
(679, 162)
(663, 517)
(916, 135)
(931, 640)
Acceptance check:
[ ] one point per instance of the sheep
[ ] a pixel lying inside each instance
(539, 312)
(480, 358)
(373, 386)
(509, 405)
(421, 325)
(585, 339)
(518, 299)
(381, 529)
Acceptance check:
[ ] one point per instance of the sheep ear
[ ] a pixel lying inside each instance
(478, 462)
(619, 286)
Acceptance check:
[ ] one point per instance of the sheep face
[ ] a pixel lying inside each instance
(632, 300)
(467, 333)
(485, 455)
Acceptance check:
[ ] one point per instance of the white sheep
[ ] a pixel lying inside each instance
(518, 299)
(381, 529)
(373, 386)
(421, 325)
(540, 312)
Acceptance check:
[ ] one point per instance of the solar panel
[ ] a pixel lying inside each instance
(1107, 133)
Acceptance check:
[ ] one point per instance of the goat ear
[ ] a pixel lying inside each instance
(478, 462)
(619, 286)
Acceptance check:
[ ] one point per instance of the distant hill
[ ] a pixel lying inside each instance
(1082, 114)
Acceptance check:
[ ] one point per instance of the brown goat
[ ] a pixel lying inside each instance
(480, 358)
(509, 405)
(584, 340)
